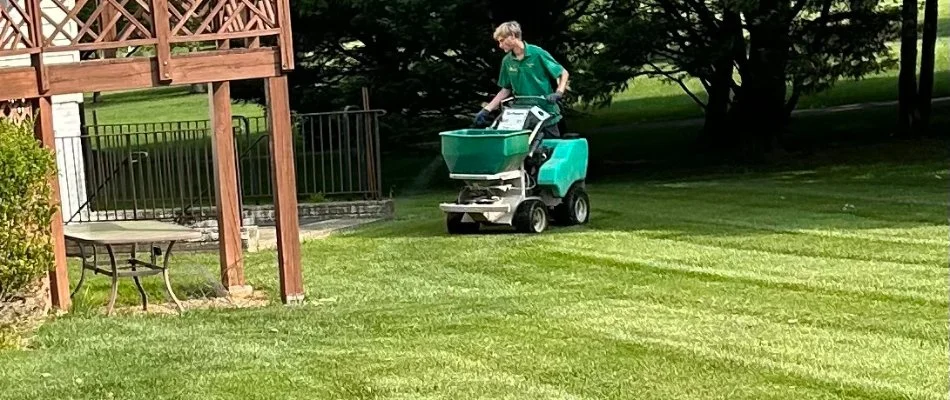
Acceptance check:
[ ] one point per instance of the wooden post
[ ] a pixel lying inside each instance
(59, 278)
(39, 41)
(371, 184)
(225, 183)
(162, 32)
(285, 190)
(286, 36)
(108, 35)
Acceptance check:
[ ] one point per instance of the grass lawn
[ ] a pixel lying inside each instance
(807, 282)
(650, 99)
(157, 105)
(648, 149)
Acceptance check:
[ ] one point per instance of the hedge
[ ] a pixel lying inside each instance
(26, 251)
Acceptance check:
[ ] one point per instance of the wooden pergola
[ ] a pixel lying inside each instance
(246, 39)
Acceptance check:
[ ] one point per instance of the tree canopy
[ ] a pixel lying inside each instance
(429, 61)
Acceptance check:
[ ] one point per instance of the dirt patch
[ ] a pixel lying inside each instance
(23, 314)
(252, 300)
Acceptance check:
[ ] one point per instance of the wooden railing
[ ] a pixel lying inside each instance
(16, 111)
(249, 39)
(40, 26)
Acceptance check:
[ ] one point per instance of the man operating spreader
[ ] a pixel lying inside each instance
(519, 171)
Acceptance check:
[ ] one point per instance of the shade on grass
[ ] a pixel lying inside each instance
(651, 99)
(826, 282)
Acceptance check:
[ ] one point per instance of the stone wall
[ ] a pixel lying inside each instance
(255, 218)
(264, 215)
(250, 234)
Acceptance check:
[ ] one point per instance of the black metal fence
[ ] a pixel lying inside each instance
(165, 170)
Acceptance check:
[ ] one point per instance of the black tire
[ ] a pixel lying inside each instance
(455, 226)
(531, 217)
(574, 208)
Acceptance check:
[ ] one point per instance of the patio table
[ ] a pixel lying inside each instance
(128, 233)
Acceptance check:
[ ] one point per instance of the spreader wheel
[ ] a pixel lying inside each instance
(531, 217)
(575, 207)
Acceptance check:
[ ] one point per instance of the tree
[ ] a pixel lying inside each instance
(915, 98)
(755, 59)
(429, 63)
(927, 56)
(908, 110)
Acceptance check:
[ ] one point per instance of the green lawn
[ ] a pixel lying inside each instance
(808, 282)
(157, 105)
(670, 148)
(650, 99)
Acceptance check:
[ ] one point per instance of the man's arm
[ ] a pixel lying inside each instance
(556, 70)
(562, 82)
(502, 94)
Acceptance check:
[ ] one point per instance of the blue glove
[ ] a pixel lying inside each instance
(482, 117)
(554, 97)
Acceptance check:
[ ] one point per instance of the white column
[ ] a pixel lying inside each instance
(69, 156)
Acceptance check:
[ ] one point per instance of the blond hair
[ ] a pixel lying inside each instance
(510, 28)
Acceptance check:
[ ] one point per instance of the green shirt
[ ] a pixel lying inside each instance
(532, 76)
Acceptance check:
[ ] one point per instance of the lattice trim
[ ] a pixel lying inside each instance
(131, 19)
(15, 25)
(200, 17)
(18, 111)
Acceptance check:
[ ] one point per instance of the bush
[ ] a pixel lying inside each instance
(26, 251)
(9, 338)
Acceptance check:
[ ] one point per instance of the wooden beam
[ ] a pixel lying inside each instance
(285, 190)
(109, 35)
(286, 35)
(112, 47)
(18, 83)
(225, 183)
(42, 73)
(36, 59)
(162, 29)
(225, 36)
(59, 278)
(141, 72)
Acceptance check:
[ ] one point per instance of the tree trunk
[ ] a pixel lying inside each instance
(907, 79)
(720, 87)
(763, 84)
(927, 55)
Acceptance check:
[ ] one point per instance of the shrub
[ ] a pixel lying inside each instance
(26, 251)
(9, 338)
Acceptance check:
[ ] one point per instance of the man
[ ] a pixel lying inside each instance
(527, 70)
